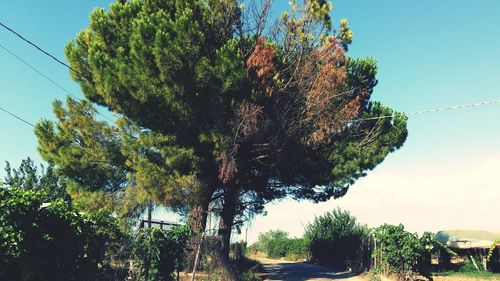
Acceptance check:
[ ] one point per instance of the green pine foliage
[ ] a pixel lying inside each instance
(212, 107)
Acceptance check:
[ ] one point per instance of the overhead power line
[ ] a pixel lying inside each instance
(463, 106)
(37, 71)
(420, 112)
(40, 49)
(17, 117)
(426, 111)
(47, 78)
(33, 126)
(49, 55)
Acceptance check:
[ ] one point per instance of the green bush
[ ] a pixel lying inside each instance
(277, 244)
(335, 239)
(159, 253)
(273, 243)
(298, 248)
(398, 252)
(237, 251)
(278, 248)
(53, 242)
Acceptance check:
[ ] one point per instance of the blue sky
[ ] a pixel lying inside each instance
(430, 54)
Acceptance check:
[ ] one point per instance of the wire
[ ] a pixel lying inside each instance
(37, 71)
(33, 126)
(463, 106)
(48, 78)
(482, 103)
(426, 111)
(41, 50)
(17, 117)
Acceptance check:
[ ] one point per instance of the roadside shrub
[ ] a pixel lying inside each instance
(273, 243)
(298, 249)
(50, 242)
(253, 250)
(237, 251)
(397, 251)
(335, 239)
(277, 247)
(402, 254)
(277, 244)
(158, 253)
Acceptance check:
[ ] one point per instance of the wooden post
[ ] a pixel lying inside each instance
(197, 257)
(209, 229)
(483, 259)
(198, 251)
(150, 211)
(474, 262)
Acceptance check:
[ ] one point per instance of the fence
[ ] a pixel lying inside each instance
(158, 223)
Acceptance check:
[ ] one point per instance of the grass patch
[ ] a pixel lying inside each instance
(482, 275)
(467, 270)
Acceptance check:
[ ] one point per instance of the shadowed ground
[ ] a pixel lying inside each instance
(277, 270)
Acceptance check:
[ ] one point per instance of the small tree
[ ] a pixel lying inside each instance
(335, 238)
(28, 177)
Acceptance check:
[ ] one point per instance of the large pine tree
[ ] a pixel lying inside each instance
(217, 107)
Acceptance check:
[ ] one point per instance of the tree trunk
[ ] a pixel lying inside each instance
(198, 221)
(226, 221)
(198, 217)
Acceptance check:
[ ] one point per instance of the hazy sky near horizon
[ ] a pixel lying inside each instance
(431, 54)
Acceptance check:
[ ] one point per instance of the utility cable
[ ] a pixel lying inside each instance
(48, 78)
(37, 71)
(40, 49)
(426, 111)
(482, 103)
(17, 117)
(33, 126)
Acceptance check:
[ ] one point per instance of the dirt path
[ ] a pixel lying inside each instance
(277, 270)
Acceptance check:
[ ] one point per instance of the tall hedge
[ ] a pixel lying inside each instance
(50, 241)
(335, 239)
